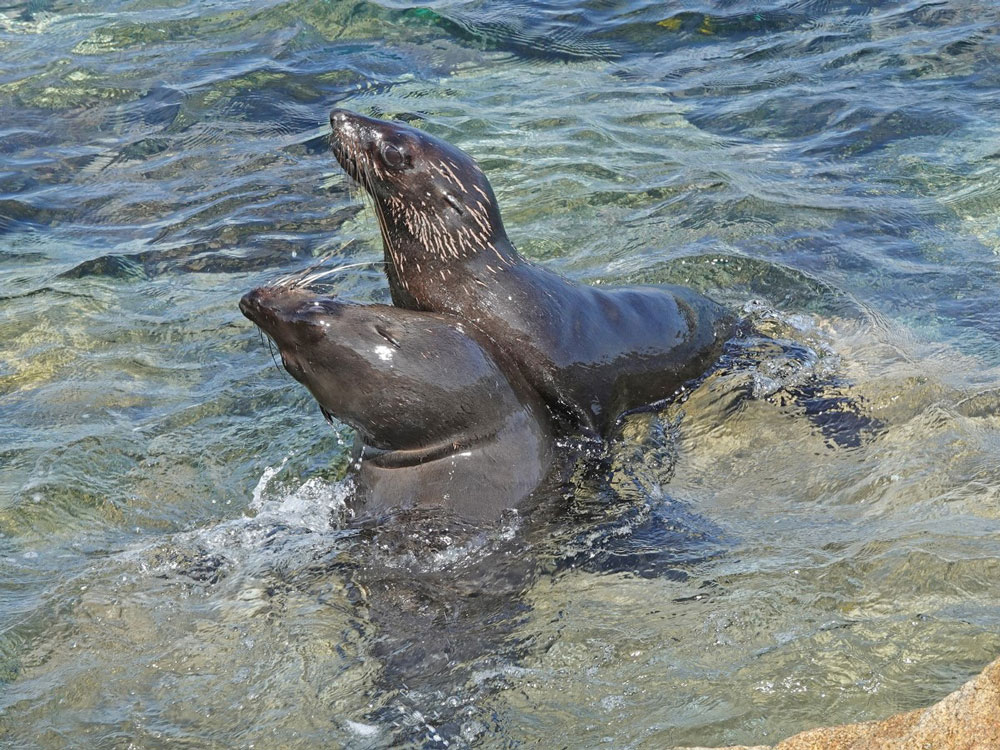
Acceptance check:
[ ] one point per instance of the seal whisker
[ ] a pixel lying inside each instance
(295, 279)
(366, 200)
(382, 223)
(337, 269)
(270, 347)
(359, 187)
(306, 278)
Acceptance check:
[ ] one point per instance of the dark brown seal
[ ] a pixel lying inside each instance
(441, 423)
(592, 353)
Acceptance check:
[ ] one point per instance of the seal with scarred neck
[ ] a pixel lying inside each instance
(592, 353)
(442, 420)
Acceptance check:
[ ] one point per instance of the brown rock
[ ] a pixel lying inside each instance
(968, 719)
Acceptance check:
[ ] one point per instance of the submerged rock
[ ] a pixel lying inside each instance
(968, 719)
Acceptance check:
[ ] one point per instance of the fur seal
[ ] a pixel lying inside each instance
(592, 353)
(443, 421)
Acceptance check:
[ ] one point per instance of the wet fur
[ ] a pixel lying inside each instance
(444, 421)
(592, 353)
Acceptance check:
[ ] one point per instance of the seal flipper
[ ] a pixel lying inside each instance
(839, 417)
(786, 373)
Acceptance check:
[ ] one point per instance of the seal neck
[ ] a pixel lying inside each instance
(421, 253)
(386, 458)
(417, 276)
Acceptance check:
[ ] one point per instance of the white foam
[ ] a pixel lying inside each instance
(362, 730)
(283, 522)
(258, 492)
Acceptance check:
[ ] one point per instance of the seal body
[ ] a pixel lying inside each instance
(443, 421)
(592, 353)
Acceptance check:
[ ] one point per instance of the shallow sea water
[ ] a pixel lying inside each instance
(810, 536)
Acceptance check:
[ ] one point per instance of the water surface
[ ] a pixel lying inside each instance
(750, 563)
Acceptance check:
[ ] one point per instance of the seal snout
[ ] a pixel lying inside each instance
(346, 126)
(250, 303)
(351, 130)
(258, 305)
(279, 310)
(267, 306)
(339, 118)
(344, 139)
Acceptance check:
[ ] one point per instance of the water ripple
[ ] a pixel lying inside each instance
(806, 536)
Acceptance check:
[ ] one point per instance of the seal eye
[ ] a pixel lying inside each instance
(392, 156)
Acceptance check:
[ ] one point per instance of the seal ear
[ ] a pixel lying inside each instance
(384, 333)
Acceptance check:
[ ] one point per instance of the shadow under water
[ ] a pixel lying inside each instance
(433, 606)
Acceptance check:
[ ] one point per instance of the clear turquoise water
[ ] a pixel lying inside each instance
(833, 169)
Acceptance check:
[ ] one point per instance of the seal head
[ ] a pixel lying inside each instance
(439, 420)
(433, 202)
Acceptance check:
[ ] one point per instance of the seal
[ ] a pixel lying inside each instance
(443, 420)
(592, 353)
